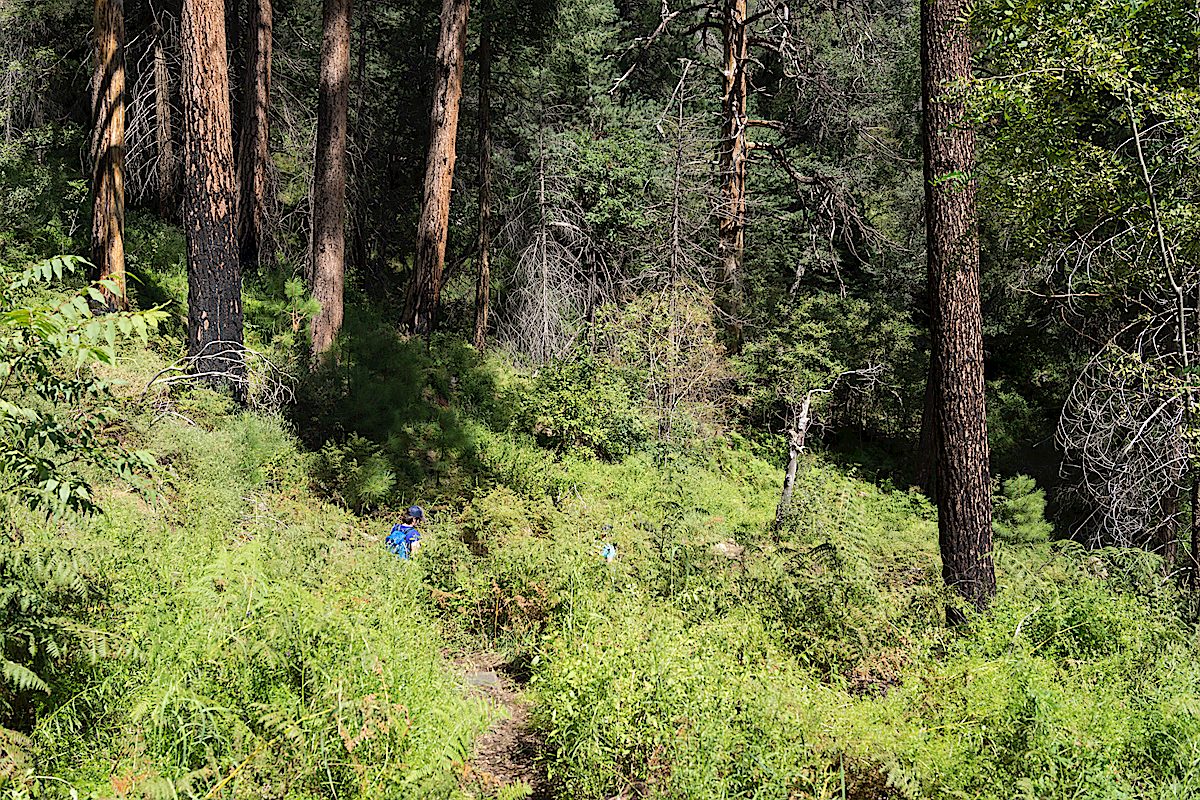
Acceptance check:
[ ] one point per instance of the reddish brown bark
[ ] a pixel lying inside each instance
(734, 155)
(960, 438)
(329, 179)
(253, 144)
(210, 198)
(108, 152)
(483, 288)
(420, 311)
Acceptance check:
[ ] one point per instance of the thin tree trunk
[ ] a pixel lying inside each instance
(329, 181)
(796, 437)
(734, 154)
(253, 145)
(420, 311)
(927, 445)
(163, 126)
(483, 286)
(108, 152)
(963, 492)
(210, 199)
(1195, 532)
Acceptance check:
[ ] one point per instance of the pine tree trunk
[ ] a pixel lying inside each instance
(253, 145)
(210, 199)
(734, 154)
(329, 180)
(163, 127)
(108, 152)
(963, 492)
(420, 311)
(483, 287)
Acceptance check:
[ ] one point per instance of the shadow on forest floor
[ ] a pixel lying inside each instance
(414, 400)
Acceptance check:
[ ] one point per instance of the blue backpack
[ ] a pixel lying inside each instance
(400, 540)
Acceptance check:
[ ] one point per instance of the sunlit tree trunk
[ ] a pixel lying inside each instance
(210, 198)
(960, 437)
(734, 154)
(164, 141)
(420, 312)
(483, 286)
(329, 180)
(253, 145)
(108, 151)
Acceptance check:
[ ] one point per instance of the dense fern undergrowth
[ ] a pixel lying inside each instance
(240, 630)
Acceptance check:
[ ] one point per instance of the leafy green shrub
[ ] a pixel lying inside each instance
(355, 472)
(582, 402)
(45, 352)
(493, 519)
(1019, 512)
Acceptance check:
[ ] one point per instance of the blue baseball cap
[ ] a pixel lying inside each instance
(416, 512)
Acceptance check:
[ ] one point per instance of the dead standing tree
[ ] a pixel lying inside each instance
(555, 278)
(745, 33)
(679, 349)
(1123, 432)
(1128, 427)
(802, 415)
(151, 161)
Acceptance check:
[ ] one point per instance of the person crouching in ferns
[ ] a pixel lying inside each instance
(405, 539)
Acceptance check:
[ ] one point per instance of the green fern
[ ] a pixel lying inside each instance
(22, 678)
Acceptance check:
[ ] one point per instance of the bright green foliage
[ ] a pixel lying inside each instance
(266, 643)
(580, 402)
(1019, 512)
(356, 472)
(55, 434)
(45, 349)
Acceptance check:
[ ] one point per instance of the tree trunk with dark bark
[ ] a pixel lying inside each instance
(963, 491)
(329, 180)
(108, 152)
(420, 310)
(733, 158)
(164, 134)
(210, 199)
(253, 151)
(483, 284)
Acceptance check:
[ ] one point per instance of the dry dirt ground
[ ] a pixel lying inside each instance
(506, 754)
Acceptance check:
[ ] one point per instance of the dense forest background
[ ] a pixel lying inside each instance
(563, 266)
(604, 128)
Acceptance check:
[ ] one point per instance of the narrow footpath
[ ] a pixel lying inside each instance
(506, 755)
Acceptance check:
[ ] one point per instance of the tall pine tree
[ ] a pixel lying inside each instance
(329, 179)
(108, 151)
(210, 198)
(959, 436)
(420, 310)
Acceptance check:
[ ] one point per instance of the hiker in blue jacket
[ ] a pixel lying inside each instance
(405, 539)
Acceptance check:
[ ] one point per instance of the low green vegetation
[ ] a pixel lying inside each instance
(210, 612)
(240, 630)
